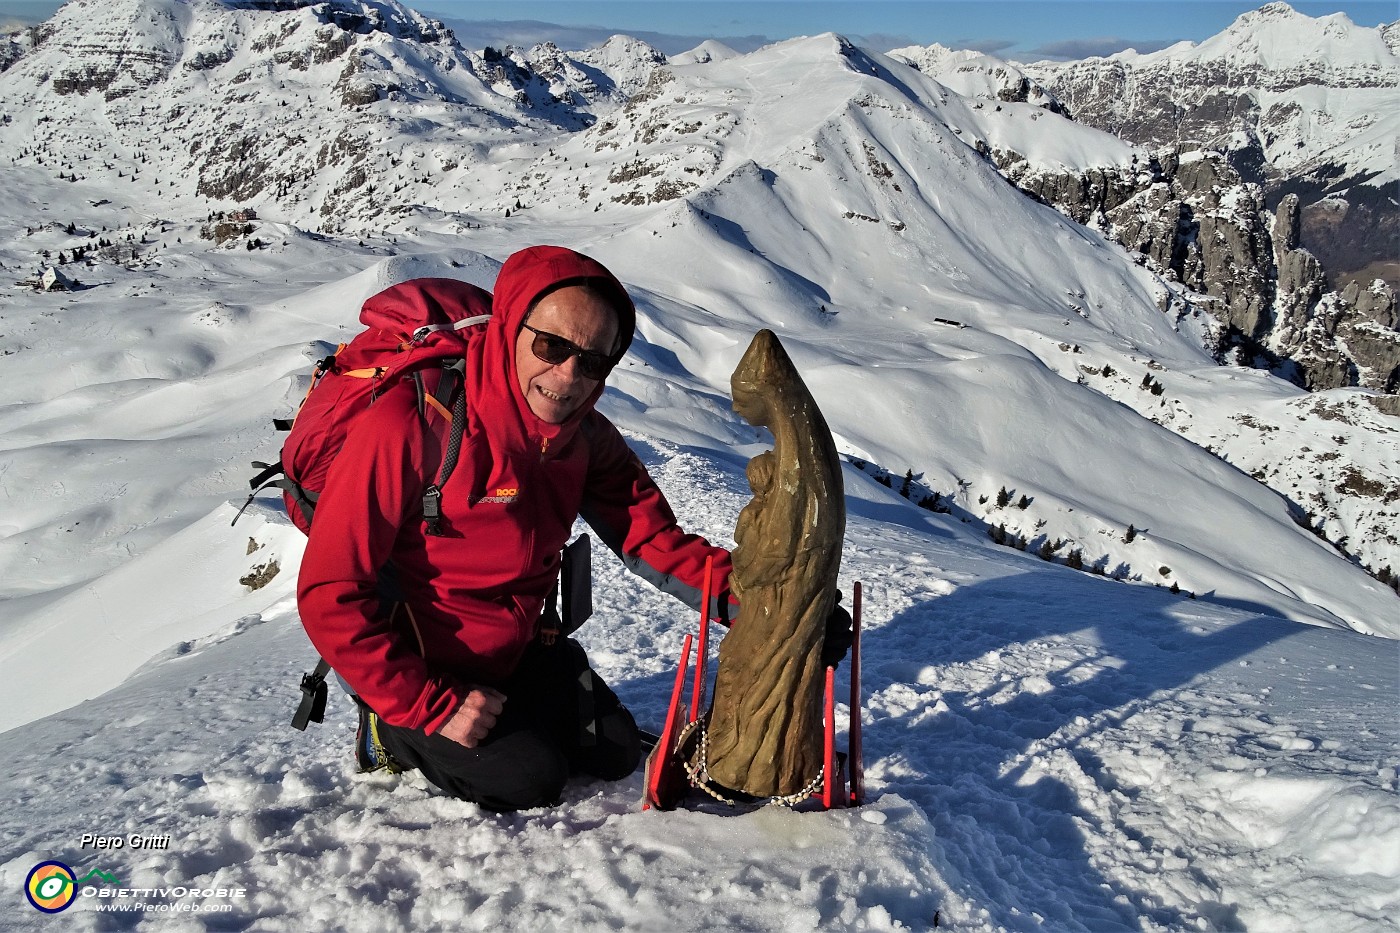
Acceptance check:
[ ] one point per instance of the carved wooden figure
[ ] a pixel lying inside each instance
(765, 724)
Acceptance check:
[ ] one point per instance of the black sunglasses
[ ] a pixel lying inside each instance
(555, 350)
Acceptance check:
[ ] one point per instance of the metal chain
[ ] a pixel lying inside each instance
(700, 775)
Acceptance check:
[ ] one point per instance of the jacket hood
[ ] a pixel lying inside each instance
(526, 277)
(530, 273)
(499, 408)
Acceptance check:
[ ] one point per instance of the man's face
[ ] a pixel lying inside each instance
(555, 391)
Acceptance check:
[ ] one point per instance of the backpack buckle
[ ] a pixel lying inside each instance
(313, 700)
(432, 509)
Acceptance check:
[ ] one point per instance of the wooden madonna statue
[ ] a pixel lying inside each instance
(764, 735)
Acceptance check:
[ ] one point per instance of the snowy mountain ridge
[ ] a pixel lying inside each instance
(326, 126)
(802, 198)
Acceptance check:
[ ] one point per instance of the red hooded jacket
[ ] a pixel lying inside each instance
(472, 596)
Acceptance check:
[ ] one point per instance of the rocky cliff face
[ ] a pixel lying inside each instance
(1300, 106)
(1194, 220)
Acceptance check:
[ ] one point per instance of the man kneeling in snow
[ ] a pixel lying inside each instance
(456, 672)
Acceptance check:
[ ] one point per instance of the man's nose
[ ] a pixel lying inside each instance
(569, 368)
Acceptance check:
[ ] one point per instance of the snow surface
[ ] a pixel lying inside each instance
(1046, 749)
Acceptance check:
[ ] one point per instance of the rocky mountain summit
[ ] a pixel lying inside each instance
(1300, 105)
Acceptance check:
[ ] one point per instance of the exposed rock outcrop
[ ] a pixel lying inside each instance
(1194, 220)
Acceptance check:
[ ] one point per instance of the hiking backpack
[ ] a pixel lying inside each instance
(411, 328)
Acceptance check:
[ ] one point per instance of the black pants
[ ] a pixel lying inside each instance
(559, 719)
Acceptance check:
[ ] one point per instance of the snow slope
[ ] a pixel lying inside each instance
(1045, 751)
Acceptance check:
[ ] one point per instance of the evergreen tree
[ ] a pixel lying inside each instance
(908, 481)
(1003, 497)
(1131, 534)
(1075, 561)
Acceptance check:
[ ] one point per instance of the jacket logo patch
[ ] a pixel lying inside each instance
(502, 495)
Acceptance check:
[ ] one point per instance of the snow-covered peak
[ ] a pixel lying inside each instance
(711, 50)
(1278, 38)
(1318, 94)
(932, 59)
(626, 62)
(360, 16)
(622, 49)
(978, 76)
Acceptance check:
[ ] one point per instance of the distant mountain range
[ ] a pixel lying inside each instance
(1298, 104)
(1302, 112)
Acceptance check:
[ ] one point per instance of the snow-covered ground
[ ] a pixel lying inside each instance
(1046, 749)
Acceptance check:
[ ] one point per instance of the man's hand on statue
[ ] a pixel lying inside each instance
(838, 636)
(475, 717)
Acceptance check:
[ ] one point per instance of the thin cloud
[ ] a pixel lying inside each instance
(985, 46)
(1100, 47)
(21, 14)
(478, 34)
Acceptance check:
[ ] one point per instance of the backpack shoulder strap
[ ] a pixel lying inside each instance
(451, 390)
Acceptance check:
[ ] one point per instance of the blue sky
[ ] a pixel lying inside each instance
(1018, 29)
(1022, 29)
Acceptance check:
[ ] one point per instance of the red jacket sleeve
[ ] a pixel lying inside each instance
(373, 487)
(627, 510)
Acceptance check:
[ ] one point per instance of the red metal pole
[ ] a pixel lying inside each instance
(831, 797)
(855, 763)
(661, 777)
(697, 691)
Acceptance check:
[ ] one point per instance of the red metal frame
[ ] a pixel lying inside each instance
(697, 692)
(662, 780)
(855, 759)
(666, 782)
